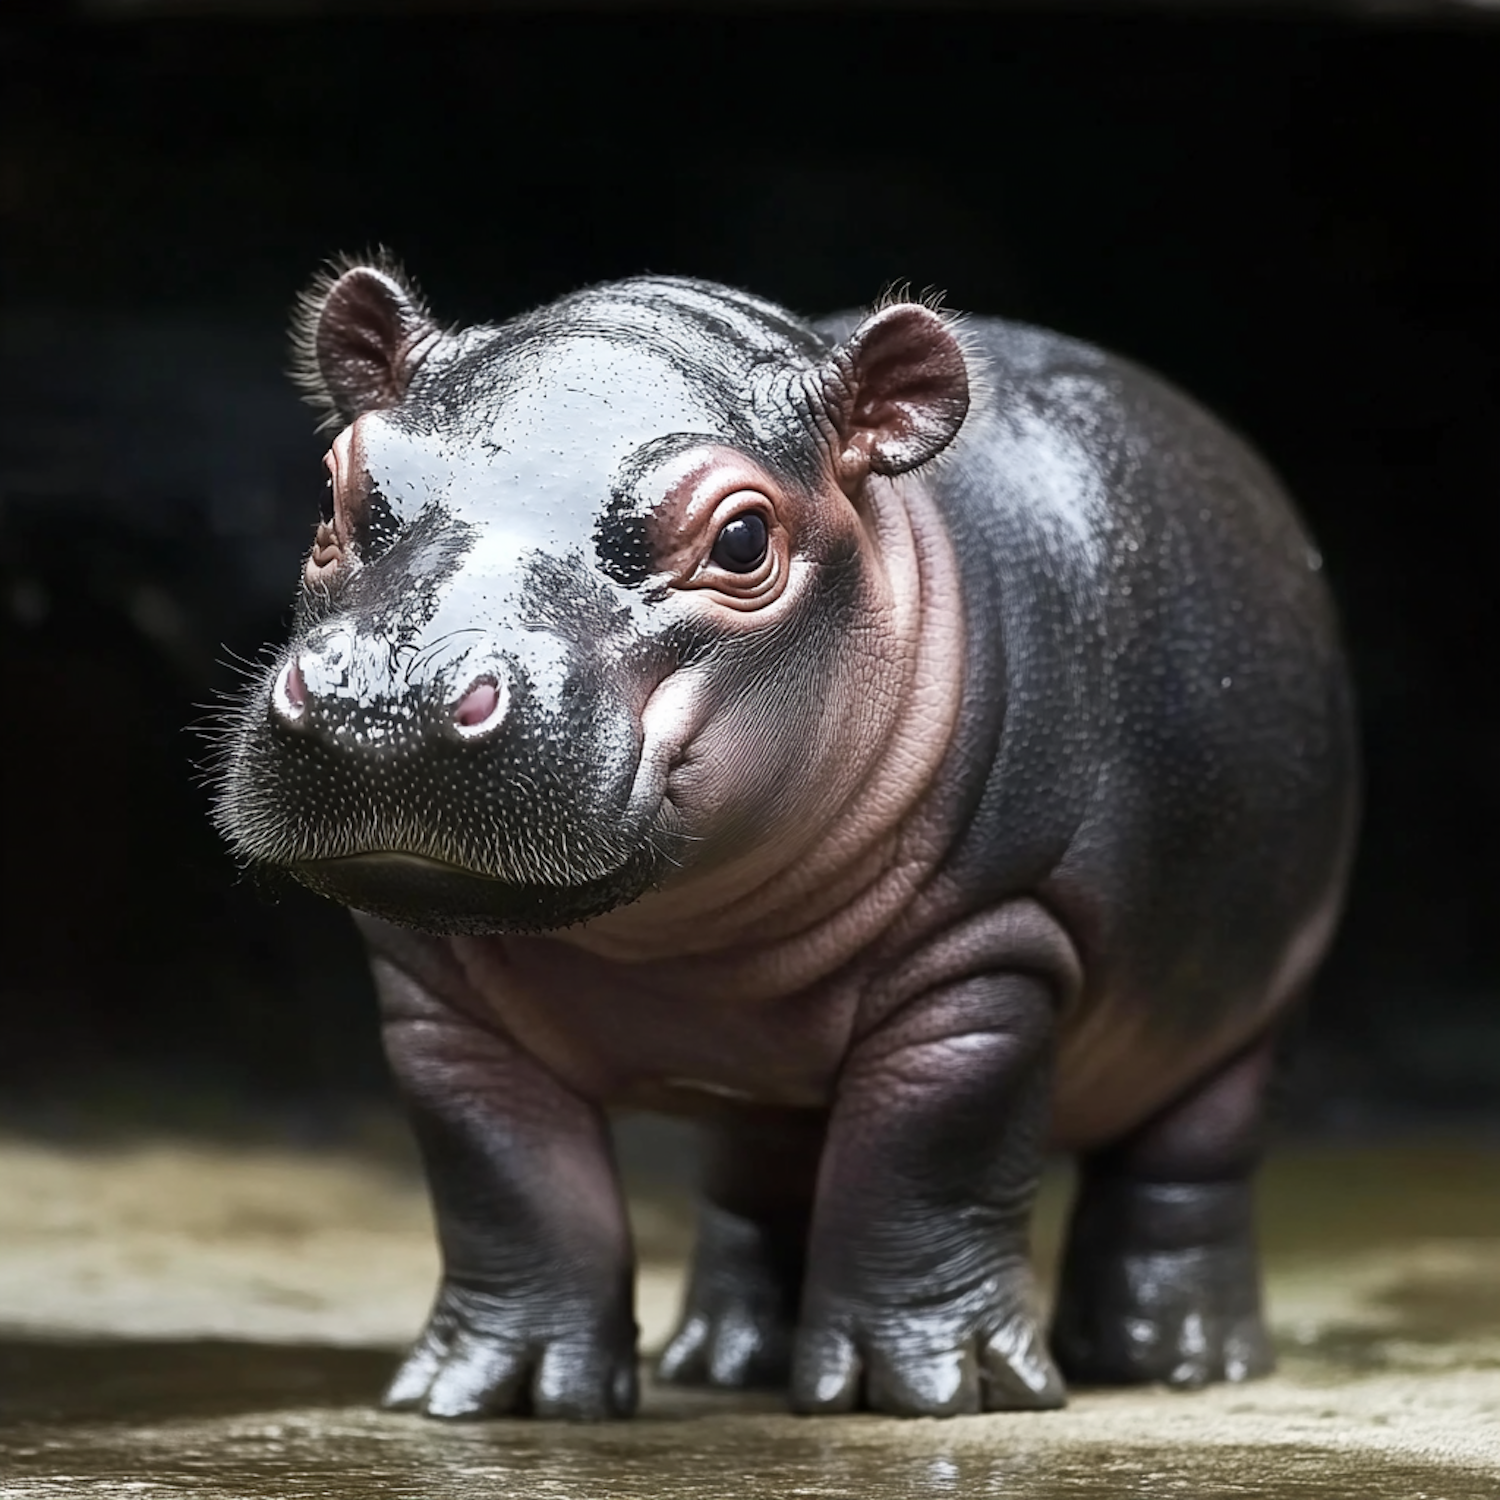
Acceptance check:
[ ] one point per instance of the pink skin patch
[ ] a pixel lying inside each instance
(289, 692)
(481, 709)
(347, 481)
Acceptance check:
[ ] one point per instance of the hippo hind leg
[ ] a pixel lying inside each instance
(1160, 1279)
(740, 1312)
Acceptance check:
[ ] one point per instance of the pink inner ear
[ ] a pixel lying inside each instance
(910, 388)
(371, 332)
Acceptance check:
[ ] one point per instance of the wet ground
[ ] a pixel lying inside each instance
(180, 1319)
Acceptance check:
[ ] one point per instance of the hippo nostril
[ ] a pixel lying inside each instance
(481, 709)
(289, 692)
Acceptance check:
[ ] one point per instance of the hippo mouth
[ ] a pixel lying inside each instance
(432, 895)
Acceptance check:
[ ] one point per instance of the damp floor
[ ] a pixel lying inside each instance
(181, 1319)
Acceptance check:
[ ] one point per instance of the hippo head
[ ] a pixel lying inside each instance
(586, 585)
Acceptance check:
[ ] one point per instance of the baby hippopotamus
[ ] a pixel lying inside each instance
(903, 745)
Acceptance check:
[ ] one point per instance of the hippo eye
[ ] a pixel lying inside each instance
(741, 547)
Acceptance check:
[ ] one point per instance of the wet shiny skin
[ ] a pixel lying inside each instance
(1036, 759)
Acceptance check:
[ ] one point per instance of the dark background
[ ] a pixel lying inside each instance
(1294, 217)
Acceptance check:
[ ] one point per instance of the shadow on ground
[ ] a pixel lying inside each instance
(70, 1382)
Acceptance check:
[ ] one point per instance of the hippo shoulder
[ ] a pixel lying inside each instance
(1092, 457)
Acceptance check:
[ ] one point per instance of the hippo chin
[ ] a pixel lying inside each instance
(432, 895)
(902, 745)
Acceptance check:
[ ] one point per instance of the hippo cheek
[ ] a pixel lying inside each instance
(768, 727)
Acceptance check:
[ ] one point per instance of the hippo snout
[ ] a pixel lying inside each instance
(356, 693)
(451, 782)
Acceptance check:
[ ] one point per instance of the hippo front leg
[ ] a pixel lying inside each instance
(740, 1312)
(1161, 1278)
(534, 1309)
(919, 1298)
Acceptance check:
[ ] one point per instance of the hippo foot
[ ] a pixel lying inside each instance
(481, 1356)
(740, 1314)
(734, 1346)
(1185, 1317)
(980, 1350)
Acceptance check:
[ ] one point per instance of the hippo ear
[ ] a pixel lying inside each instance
(358, 335)
(897, 390)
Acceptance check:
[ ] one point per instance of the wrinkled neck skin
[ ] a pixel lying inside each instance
(855, 838)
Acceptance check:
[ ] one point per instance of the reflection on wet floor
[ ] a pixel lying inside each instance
(744, 1456)
(186, 1320)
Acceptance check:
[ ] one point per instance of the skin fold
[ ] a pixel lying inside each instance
(903, 746)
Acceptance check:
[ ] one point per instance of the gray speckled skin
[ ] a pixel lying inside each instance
(1003, 798)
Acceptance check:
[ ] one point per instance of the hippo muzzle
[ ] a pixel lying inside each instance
(444, 774)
